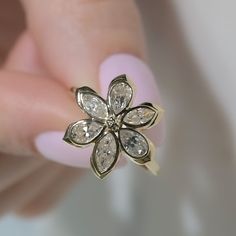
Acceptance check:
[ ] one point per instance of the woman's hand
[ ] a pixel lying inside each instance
(66, 43)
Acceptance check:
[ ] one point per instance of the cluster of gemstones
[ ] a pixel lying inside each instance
(113, 126)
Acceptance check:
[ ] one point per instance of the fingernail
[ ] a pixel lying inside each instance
(144, 80)
(51, 145)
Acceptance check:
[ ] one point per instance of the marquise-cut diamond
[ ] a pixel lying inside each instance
(85, 131)
(120, 97)
(94, 106)
(106, 152)
(139, 116)
(133, 143)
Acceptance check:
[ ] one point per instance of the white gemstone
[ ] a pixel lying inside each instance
(85, 131)
(105, 153)
(120, 97)
(133, 143)
(94, 106)
(139, 116)
(114, 123)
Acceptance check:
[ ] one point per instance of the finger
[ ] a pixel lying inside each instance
(24, 191)
(28, 106)
(55, 191)
(89, 43)
(79, 34)
(29, 61)
(48, 106)
(24, 57)
(14, 168)
(24, 97)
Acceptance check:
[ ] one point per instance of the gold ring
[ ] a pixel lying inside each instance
(114, 127)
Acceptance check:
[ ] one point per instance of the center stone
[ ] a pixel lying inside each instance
(113, 123)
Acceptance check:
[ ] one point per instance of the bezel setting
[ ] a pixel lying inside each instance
(94, 164)
(114, 126)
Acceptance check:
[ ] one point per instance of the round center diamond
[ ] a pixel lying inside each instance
(113, 123)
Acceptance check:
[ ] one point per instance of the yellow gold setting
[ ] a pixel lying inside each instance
(114, 127)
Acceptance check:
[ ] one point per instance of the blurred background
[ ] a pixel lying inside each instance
(193, 54)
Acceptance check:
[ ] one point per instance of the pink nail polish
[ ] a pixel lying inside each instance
(51, 145)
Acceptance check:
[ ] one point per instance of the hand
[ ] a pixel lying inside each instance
(66, 43)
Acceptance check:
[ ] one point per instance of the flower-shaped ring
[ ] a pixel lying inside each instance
(114, 127)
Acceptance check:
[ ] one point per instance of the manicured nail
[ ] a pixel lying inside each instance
(51, 144)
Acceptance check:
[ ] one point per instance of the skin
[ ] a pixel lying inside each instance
(60, 42)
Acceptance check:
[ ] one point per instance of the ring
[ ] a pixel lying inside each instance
(114, 126)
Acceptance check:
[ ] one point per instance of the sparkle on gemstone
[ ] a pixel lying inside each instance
(139, 116)
(114, 123)
(85, 131)
(94, 106)
(105, 152)
(120, 97)
(134, 143)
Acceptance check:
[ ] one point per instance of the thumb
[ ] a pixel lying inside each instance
(88, 43)
(75, 36)
(28, 106)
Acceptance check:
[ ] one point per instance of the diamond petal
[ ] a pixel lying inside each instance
(83, 132)
(91, 103)
(141, 116)
(135, 145)
(120, 94)
(105, 155)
